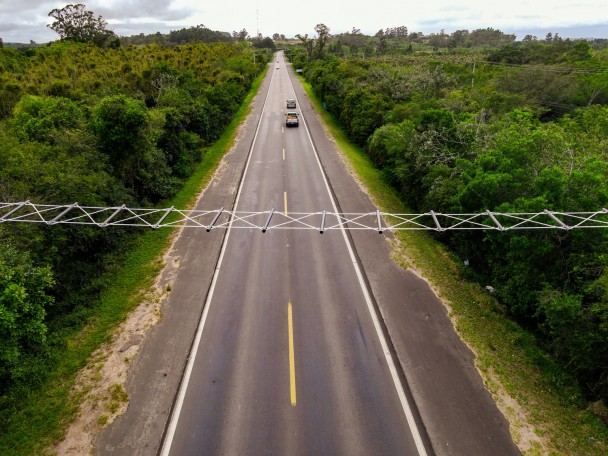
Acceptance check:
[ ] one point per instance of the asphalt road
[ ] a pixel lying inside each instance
(289, 355)
(289, 360)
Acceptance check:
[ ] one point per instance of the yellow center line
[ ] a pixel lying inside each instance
(292, 363)
(285, 201)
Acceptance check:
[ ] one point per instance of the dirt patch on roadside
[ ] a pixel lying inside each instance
(528, 441)
(100, 385)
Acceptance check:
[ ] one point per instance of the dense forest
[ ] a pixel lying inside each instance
(517, 127)
(100, 126)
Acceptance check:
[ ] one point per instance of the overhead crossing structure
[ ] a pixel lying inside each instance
(322, 221)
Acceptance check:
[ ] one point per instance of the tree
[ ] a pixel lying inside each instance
(240, 36)
(263, 43)
(308, 44)
(382, 45)
(45, 119)
(335, 48)
(124, 130)
(439, 40)
(122, 127)
(401, 31)
(74, 23)
(458, 39)
(416, 37)
(23, 304)
(322, 38)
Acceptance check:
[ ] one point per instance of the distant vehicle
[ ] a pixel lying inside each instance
(291, 103)
(291, 119)
(277, 67)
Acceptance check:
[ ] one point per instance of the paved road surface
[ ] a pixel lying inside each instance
(290, 360)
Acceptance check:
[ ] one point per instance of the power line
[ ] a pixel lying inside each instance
(102, 217)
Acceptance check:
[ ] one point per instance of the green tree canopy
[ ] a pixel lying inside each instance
(23, 303)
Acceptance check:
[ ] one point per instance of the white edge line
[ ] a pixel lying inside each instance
(387, 354)
(172, 426)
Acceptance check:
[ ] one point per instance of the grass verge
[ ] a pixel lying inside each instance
(43, 415)
(544, 407)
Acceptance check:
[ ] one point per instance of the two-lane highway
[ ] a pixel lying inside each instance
(288, 358)
(270, 343)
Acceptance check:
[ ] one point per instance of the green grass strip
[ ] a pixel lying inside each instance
(44, 414)
(507, 356)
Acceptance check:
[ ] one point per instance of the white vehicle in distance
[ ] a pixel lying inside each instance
(291, 103)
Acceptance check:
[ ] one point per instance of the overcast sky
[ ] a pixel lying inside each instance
(25, 20)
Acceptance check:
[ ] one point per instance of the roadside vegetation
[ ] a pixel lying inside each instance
(79, 122)
(516, 128)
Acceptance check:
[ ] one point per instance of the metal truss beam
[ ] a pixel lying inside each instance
(103, 217)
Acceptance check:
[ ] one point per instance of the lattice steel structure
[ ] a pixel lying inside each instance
(75, 214)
